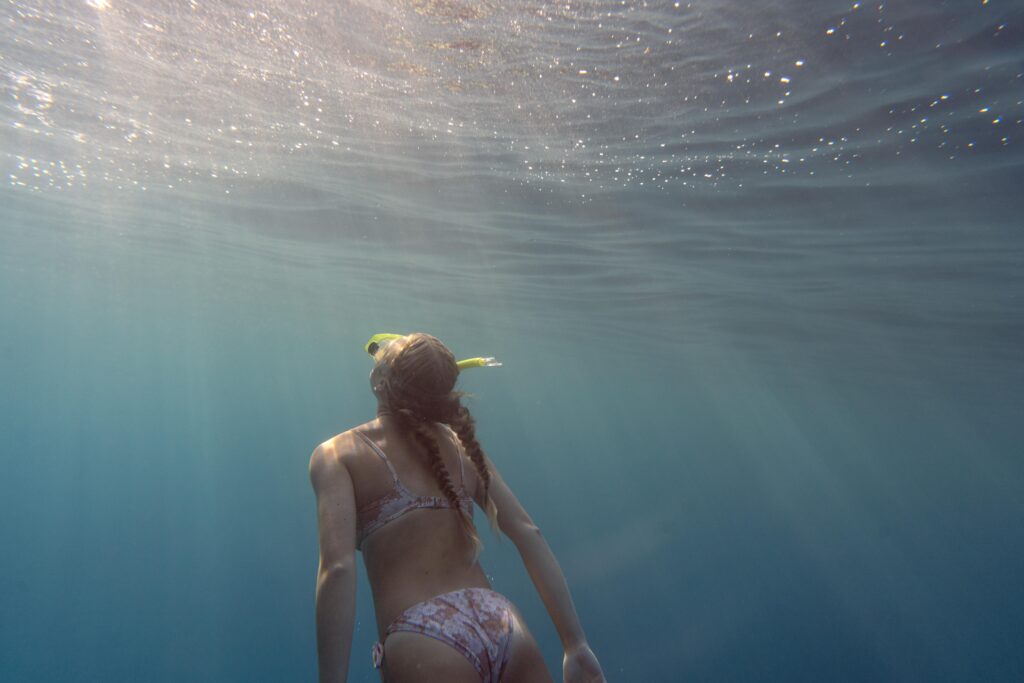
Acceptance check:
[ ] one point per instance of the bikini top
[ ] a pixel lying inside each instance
(401, 500)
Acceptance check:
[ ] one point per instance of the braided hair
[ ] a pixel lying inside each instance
(419, 389)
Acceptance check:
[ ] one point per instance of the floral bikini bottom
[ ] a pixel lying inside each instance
(477, 622)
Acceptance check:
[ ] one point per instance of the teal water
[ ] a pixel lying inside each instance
(755, 274)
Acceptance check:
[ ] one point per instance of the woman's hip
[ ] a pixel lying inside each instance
(477, 622)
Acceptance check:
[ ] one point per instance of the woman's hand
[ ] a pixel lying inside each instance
(581, 666)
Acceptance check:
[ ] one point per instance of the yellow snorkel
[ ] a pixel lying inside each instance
(482, 362)
(380, 340)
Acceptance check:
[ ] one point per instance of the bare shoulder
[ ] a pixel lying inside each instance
(332, 456)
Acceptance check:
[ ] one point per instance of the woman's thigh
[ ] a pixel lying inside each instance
(414, 657)
(525, 662)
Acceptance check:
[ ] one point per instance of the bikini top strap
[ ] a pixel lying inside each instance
(378, 451)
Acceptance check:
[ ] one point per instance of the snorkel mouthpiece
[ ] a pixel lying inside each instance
(379, 342)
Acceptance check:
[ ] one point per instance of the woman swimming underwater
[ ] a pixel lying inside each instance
(401, 488)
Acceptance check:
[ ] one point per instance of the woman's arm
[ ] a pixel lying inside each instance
(336, 575)
(580, 663)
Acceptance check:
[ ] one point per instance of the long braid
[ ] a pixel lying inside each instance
(429, 443)
(421, 431)
(465, 426)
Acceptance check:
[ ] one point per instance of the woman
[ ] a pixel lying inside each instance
(400, 489)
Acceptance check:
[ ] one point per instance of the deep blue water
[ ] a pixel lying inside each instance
(756, 274)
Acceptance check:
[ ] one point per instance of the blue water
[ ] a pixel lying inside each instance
(755, 270)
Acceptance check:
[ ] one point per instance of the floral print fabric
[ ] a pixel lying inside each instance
(477, 622)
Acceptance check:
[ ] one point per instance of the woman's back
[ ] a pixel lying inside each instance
(423, 551)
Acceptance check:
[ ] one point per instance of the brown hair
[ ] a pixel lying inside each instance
(418, 387)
